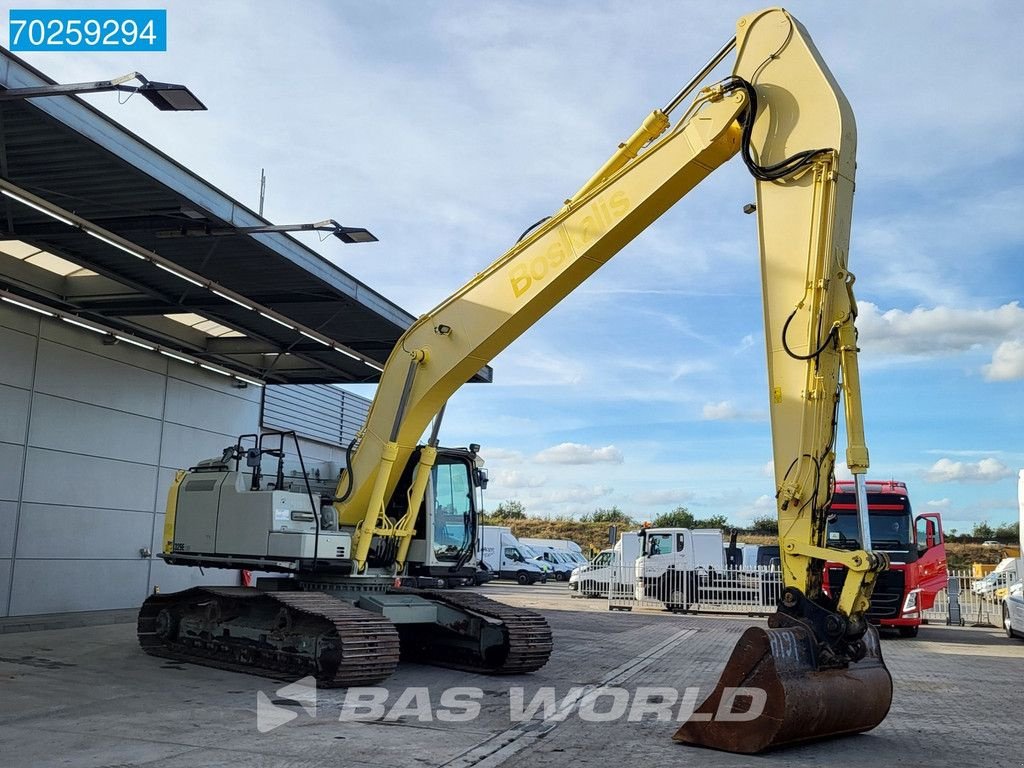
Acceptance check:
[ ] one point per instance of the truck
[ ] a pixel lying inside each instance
(607, 567)
(915, 546)
(682, 566)
(1013, 602)
(503, 555)
(995, 584)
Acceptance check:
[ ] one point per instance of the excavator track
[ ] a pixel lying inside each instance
(526, 637)
(273, 634)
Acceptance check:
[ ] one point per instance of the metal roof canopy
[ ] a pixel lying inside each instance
(72, 157)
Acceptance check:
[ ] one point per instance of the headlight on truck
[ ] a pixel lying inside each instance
(910, 604)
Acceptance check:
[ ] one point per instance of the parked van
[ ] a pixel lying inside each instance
(506, 557)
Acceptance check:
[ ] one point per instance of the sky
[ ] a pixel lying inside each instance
(447, 128)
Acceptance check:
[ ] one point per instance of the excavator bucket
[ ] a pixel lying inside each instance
(772, 693)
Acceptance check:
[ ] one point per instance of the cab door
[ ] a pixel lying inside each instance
(931, 561)
(659, 554)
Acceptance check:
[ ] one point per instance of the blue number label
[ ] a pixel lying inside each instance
(88, 30)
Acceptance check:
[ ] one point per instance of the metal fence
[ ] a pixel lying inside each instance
(978, 606)
(754, 592)
(751, 591)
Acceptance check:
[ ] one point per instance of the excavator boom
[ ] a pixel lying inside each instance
(446, 346)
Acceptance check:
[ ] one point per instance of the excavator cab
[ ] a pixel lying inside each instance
(444, 539)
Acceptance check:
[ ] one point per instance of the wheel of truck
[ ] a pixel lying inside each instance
(676, 592)
(561, 576)
(676, 600)
(908, 631)
(523, 577)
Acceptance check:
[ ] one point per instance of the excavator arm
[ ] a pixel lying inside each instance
(783, 113)
(446, 346)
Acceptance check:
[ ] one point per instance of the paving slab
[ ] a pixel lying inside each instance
(88, 697)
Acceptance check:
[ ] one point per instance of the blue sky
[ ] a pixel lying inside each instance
(447, 128)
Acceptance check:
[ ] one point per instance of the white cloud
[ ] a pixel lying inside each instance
(515, 478)
(984, 471)
(577, 453)
(530, 366)
(577, 493)
(939, 503)
(689, 368)
(942, 331)
(720, 411)
(1007, 362)
(746, 511)
(725, 410)
(842, 472)
(503, 455)
(665, 497)
(939, 331)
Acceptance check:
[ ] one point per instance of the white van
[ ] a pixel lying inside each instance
(568, 546)
(559, 564)
(506, 558)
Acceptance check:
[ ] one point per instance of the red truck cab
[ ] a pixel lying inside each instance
(915, 546)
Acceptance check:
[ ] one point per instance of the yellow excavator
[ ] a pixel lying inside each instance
(403, 508)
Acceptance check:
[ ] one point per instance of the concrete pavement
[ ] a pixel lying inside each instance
(88, 697)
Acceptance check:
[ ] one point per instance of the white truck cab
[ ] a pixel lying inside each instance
(680, 548)
(668, 552)
(610, 568)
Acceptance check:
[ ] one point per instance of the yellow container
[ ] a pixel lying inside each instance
(981, 569)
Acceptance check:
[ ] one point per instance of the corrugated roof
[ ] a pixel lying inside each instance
(79, 160)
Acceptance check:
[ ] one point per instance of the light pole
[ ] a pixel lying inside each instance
(330, 226)
(167, 97)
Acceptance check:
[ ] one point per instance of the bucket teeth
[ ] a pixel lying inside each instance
(772, 693)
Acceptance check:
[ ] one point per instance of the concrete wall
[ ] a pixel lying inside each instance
(90, 437)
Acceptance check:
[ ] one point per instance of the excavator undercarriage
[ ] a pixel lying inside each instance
(288, 634)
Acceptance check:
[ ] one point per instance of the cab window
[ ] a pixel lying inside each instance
(659, 544)
(452, 510)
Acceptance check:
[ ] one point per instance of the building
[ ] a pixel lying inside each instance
(136, 338)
